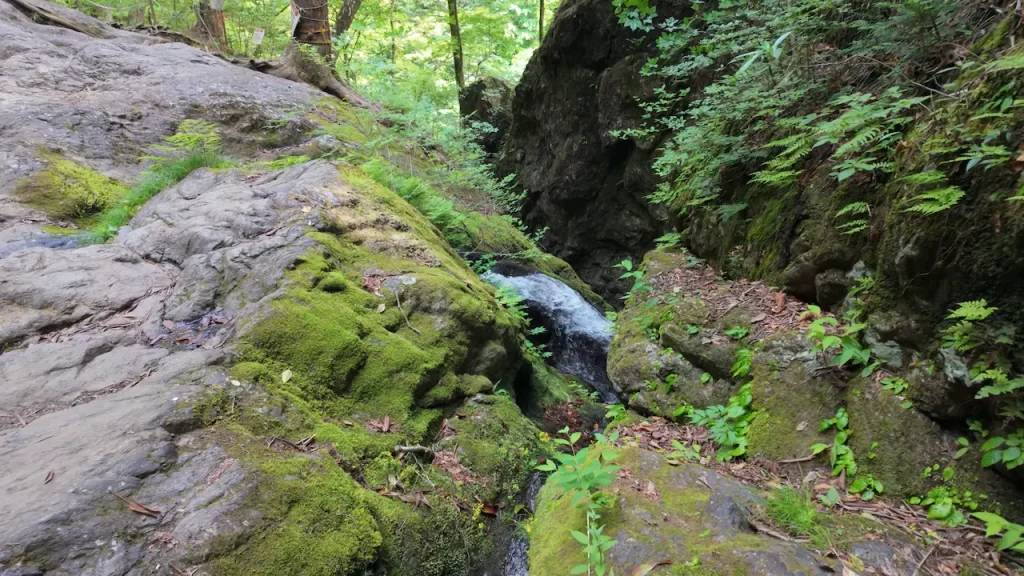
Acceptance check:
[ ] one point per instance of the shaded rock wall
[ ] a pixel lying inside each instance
(584, 185)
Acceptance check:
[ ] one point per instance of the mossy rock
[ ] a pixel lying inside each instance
(692, 512)
(381, 322)
(790, 400)
(68, 190)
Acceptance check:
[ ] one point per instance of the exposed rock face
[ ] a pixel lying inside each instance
(585, 185)
(118, 361)
(489, 100)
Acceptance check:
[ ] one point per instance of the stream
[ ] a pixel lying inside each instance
(578, 336)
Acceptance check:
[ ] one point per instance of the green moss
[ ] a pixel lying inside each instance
(790, 404)
(676, 524)
(317, 523)
(68, 190)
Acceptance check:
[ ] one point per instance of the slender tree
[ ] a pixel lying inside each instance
(540, 24)
(346, 16)
(453, 22)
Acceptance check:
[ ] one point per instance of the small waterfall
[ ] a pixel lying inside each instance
(517, 558)
(578, 333)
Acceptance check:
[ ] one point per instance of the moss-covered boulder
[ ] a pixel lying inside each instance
(688, 515)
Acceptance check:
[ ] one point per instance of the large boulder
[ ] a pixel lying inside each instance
(221, 388)
(489, 101)
(585, 185)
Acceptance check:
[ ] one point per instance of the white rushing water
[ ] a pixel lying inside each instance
(580, 333)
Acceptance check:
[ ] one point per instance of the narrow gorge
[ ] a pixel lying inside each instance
(593, 287)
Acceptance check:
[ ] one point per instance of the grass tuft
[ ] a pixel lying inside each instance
(155, 179)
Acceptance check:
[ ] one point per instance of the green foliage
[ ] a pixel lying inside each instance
(866, 486)
(737, 332)
(895, 384)
(944, 504)
(741, 366)
(794, 510)
(1012, 534)
(841, 456)
(1006, 451)
(839, 344)
(514, 305)
(195, 145)
(637, 275)
(683, 453)
(583, 475)
(728, 425)
(856, 225)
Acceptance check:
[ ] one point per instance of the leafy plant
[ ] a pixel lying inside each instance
(728, 425)
(1005, 450)
(737, 332)
(1012, 534)
(794, 510)
(841, 456)
(866, 486)
(742, 365)
(637, 275)
(683, 453)
(583, 475)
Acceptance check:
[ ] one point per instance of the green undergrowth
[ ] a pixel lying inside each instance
(153, 180)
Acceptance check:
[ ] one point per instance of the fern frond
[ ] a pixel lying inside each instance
(936, 201)
(972, 310)
(772, 178)
(853, 227)
(864, 136)
(925, 178)
(1014, 61)
(854, 208)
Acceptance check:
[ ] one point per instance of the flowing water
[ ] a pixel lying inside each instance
(578, 333)
(578, 337)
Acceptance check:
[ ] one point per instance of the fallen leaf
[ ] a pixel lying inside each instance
(759, 318)
(381, 308)
(182, 339)
(780, 302)
(490, 510)
(801, 426)
(49, 477)
(236, 383)
(387, 424)
(848, 572)
(286, 376)
(138, 508)
(168, 324)
(645, 569)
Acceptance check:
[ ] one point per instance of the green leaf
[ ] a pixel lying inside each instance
(580, 537)
(1011, 538)
(993, 443)
(1011, 454)
(960, 453)
(818, 449)
(940, 510)
(991, 458)
(579, 569)
(948, 473)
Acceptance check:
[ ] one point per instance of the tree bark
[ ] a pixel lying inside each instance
(453, 22)
(346, 16)
(314, 25)
(210, 23)
(540, 24)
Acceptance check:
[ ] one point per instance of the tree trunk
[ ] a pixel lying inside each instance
(210, 22)
(313, 26)
(346, 16)
(540, 24)
(453, 21)
(394, 46)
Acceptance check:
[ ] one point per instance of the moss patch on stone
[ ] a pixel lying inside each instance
(68, 190)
